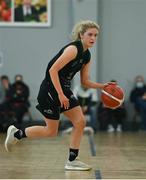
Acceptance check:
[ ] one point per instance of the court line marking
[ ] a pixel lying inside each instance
(97, 174)
(92, 145)
(93, 153)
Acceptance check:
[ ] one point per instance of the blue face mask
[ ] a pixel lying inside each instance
(139, 84)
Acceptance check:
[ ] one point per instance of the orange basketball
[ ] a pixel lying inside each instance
(112, 96)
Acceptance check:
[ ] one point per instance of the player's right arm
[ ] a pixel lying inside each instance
(69, 54)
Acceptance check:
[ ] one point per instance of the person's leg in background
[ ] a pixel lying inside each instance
(117, 120)
(111, 120)
(102, 117)
(19, 113)
(142, 107)
(143, 118)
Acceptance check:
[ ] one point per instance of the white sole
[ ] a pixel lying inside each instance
(77, 169)
(8, 136)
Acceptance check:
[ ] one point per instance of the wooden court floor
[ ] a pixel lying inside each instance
(112, 156)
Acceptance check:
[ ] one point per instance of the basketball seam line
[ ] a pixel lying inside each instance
(120, 101)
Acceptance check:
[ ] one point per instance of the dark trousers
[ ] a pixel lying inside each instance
(142, 107)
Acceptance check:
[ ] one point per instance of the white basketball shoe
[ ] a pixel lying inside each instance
(11, 139)
(77, 165)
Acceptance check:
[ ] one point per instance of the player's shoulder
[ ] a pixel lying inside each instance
(75, 44)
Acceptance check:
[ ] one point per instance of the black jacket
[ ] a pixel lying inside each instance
(20, 94)
(20, 17)
(135, 94)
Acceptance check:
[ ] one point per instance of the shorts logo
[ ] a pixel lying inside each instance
(48, 111)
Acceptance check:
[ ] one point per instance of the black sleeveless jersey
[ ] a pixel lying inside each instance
(69, 70)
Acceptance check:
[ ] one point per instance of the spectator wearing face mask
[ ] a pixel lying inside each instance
(20, 101)
(138, 98)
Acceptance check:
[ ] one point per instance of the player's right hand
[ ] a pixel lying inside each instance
(110, 83)
(64, 101)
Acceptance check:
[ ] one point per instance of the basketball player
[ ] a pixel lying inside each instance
(55, 95)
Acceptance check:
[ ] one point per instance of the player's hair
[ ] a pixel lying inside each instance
(81, 27)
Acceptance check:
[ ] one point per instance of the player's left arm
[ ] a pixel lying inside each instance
(85, 78)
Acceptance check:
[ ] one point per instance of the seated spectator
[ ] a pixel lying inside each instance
(111, 119)
(138, 98)
(6, 114)
(6, 102)
(20, 102)
(2, 93)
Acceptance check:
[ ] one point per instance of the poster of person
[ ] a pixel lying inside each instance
(25, 12)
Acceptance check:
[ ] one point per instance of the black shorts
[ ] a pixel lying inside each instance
(49, 104)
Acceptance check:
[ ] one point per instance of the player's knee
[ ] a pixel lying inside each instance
(80, 123)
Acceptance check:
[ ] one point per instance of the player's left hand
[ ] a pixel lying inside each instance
(64, 101)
